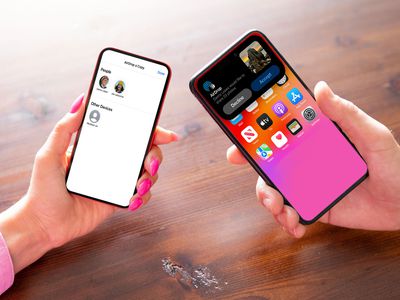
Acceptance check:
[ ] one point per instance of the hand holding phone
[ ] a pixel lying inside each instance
(268, 112)
(48, 215)
(376, 204)
(121, 114)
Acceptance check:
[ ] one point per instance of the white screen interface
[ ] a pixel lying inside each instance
(117, 126)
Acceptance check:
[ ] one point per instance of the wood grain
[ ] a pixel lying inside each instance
(204, 213)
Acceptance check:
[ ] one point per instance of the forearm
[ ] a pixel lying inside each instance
(25, 239)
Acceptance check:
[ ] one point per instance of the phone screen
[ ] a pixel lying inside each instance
(122, 108)
(264, 106)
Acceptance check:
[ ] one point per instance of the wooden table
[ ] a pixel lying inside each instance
(204, 222)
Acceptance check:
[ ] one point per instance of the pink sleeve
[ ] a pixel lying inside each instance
(6, 266)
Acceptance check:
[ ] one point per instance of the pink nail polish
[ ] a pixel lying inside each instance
(154, 164)
(77, 104)
(135, 204)
(144, 187)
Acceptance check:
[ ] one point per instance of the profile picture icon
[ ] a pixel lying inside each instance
(103, 81)
(119, 86)
(255, 57)
(94, 116)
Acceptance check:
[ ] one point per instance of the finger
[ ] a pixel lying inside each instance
(69, 150)
(60, 137)
(299, 231)
(355, 123)
(284, 215)
(137, 201)
(234, 156)
(288, 218)
(153, 160)
(270, 198)
(144, 183)
(164, 136)
(68, 155)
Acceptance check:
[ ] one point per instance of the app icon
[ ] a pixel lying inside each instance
(208, 86)
(267, 94)
(264, 151)
(264, 121)
(282, 81)
(252, 106)
(309, 114)
(279, 139)
(294, 96)
(236, 119)
(249, 134)
(294, 127)
(279, 109)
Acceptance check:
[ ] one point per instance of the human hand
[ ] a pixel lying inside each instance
(48, 213)
(375, 203)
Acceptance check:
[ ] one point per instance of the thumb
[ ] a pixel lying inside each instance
(58, 141)
(366, 133)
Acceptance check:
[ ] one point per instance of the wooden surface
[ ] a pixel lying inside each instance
(204, 215)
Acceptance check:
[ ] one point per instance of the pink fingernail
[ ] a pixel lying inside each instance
(144, 187)
(154, 164)
(135, 204)
(77, 103)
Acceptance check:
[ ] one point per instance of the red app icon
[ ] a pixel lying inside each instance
(249, 134)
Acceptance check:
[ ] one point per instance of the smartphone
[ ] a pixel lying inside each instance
(268, 112)
(122, 109)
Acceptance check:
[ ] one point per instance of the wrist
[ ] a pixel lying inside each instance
(26, 240)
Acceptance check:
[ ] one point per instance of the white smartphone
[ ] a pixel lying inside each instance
(122, 109)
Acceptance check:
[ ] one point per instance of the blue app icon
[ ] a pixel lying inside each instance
(236, 119)
(294, 96)
(208, 86)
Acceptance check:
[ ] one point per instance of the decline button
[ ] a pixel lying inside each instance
(237, 101)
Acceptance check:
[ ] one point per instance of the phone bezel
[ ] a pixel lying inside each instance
(194, 89)
(151, 136)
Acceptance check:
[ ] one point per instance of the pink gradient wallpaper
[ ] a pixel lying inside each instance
(301, 150)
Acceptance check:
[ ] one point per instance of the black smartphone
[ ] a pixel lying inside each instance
(122, 109)
(268, 112)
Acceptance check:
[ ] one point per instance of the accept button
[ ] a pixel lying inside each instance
(237, 101)
(266, 77)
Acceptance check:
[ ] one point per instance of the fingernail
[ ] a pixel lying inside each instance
(154, 164)
(299, 231)
(144, 187)
(279, 218)
(294, 232)
(135, 204)
(77, 103)
(175, 136)
(267, 203)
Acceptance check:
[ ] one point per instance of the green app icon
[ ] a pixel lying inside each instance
(264, 151)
